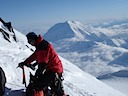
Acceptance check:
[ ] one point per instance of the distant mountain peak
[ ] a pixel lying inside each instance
(74, 22)
(68, 30)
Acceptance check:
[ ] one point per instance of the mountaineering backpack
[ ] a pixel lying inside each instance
(55, 89)
(2, 82)
(30, 90)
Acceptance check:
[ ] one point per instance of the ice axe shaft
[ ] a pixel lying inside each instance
(24, 77)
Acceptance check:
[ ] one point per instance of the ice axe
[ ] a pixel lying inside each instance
(24, 77)
(21, 65)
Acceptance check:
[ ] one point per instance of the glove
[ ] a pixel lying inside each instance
(30, 66)
(21, 64)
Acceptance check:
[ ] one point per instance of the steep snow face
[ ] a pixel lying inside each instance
(8, 36)
(11, 53)
(76, 83)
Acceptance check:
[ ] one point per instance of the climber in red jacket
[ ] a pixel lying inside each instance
(49, 65)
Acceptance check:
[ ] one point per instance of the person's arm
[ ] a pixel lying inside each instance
(31, 58)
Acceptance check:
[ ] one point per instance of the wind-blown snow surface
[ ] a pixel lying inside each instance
(76, 83)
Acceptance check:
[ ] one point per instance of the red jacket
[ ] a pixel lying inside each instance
(46, 54)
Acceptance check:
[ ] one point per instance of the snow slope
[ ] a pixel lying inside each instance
(76, 83)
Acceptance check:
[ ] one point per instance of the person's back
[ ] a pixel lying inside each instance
(55, 63)
(2, 82)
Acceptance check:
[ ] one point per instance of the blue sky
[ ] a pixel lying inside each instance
(25, 12)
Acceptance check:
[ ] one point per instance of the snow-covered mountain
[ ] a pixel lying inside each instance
(98, 50)
(76, 83)
(89, 47)
(112, 23)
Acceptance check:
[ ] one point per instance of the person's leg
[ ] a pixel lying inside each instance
(57, 86)
(45, 80)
